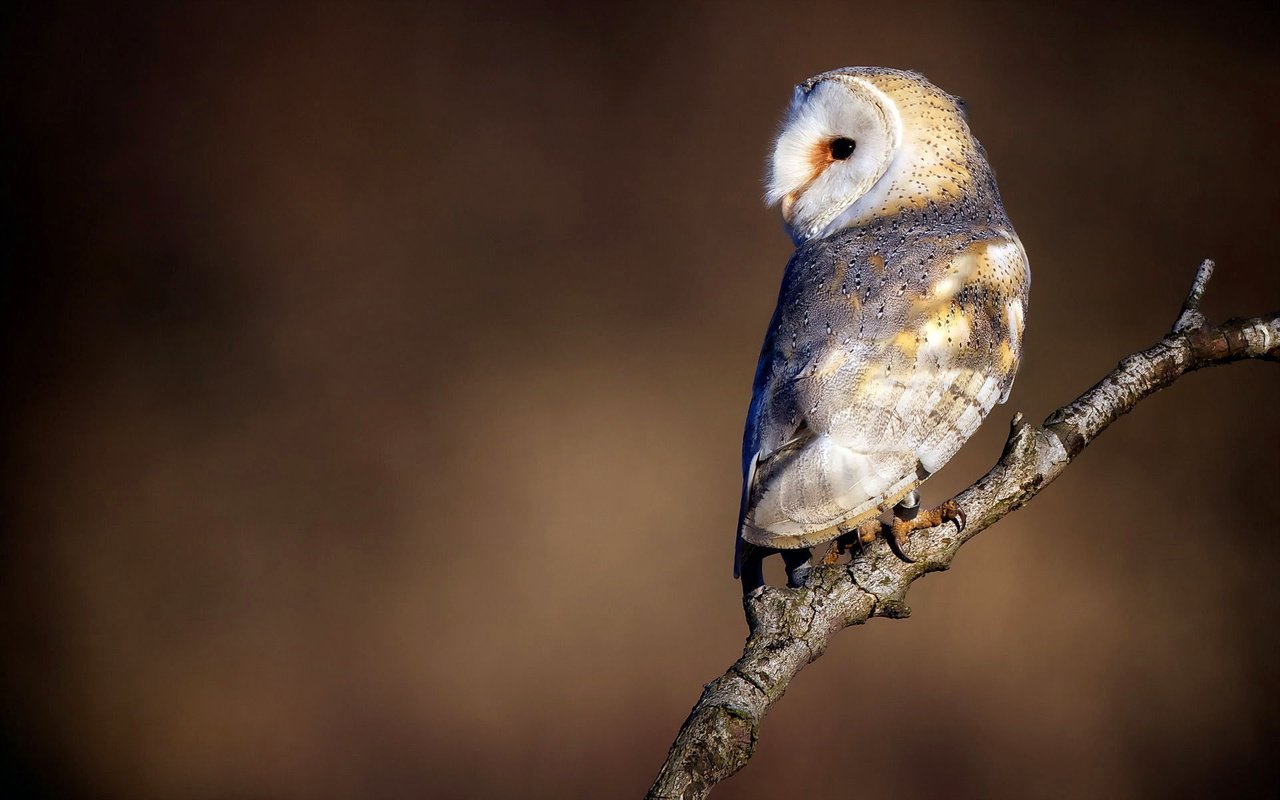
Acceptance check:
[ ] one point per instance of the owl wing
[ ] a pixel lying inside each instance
(860, 396)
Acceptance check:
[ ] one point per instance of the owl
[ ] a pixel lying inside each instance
(899, 321)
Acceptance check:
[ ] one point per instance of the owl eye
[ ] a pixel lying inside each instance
(842, 148)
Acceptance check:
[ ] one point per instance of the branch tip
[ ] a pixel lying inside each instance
(1190, 319)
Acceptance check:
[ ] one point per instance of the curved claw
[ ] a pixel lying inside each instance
(896, 540)
(903, 526)
(954, 513)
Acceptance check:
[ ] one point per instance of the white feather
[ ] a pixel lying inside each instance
(815, 189)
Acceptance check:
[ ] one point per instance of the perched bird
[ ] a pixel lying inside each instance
(899, 322)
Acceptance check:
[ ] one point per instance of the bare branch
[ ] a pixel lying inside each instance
(789, 628)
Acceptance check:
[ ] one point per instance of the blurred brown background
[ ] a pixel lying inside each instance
(375, 378)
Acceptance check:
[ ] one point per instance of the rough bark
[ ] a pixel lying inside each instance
(789, 628)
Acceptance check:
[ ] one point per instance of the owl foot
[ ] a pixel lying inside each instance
(865, 533)
(908, 518)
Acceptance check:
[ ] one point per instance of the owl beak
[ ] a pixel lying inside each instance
(788, 203)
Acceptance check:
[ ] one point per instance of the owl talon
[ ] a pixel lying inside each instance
(833, 554)
(851, 539)
(868, 531)
(897, 538)
(949, 511)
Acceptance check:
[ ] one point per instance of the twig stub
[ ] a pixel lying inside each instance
(1191, 319)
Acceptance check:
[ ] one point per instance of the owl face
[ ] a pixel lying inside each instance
(840, 137)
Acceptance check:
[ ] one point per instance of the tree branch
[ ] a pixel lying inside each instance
(789, 628)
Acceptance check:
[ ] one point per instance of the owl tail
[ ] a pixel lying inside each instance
(740, 547)
(803, 502)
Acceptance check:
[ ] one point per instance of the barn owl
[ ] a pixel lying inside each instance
(899, 322)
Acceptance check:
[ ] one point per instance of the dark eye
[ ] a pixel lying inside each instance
(842, 148)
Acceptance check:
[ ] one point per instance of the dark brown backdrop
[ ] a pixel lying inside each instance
(375, 379)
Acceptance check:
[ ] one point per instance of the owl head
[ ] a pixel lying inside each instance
(863, 142)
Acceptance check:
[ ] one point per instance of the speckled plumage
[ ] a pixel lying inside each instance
(899, 321)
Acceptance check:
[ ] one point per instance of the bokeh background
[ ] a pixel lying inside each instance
(374, 381)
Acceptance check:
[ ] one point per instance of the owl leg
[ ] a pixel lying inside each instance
(908, 518)
(752, 571)
(797, 563)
